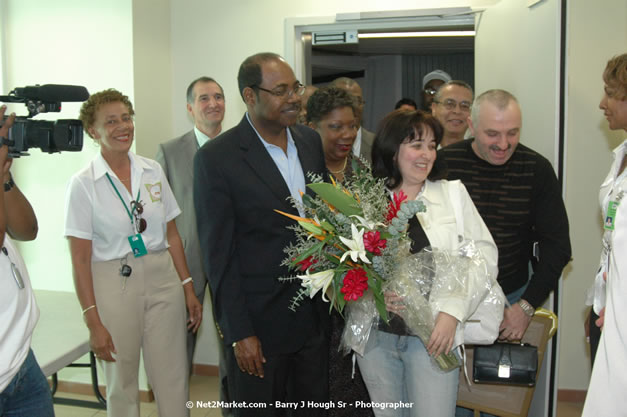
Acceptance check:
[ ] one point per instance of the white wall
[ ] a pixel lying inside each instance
(152, 74)
(61, 42)
(595, 34)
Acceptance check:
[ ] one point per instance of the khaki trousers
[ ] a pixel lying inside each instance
(145, 311)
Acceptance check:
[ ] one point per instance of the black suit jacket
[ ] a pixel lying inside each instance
(238, 186)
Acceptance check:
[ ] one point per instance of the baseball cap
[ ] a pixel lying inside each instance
(436, 75)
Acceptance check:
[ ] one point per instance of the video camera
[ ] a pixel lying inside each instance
(49, 136)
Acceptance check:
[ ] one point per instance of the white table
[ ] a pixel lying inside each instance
(60, 338)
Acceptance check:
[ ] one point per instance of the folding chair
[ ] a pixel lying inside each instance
(507, 400)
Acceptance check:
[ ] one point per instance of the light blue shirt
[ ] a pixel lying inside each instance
(288, 165)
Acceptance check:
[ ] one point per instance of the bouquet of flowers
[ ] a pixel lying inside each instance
(349, 245)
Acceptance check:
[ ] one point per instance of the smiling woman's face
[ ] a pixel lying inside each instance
(416, 157)
(614, 108)
(338, 131)
(113, 128)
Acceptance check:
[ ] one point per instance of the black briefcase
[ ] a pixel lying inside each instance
(505, 363)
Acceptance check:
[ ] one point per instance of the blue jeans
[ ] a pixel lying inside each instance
(398, 369)
(28, 393)
(512, 298)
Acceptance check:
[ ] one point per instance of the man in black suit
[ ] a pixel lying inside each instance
(273, 354)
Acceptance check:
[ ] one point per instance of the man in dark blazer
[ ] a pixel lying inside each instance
(363, 142)
(241, 177)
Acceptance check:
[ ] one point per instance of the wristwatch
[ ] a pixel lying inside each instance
(9, 184)
(526, 307)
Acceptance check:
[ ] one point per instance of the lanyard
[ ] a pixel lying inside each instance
(121, 199)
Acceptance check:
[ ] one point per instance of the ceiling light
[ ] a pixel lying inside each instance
(416, 34)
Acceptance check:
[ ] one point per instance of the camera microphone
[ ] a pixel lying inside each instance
(49, 136)
(53, 92)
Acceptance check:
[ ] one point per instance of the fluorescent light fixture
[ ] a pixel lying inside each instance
(416, 34)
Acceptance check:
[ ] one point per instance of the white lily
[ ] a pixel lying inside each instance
(355, 245)
(365, 223)
(316, 282)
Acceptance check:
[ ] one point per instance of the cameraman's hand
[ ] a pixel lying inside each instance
(5, 161)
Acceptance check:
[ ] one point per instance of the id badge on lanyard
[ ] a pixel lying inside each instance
(612, 207)
(135, 241)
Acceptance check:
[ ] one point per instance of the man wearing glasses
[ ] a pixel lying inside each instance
(430, 84)
(451, 106)
(273, 354)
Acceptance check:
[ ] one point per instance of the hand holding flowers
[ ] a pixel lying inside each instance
(351, 246)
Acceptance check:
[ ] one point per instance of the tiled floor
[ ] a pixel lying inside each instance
(202, 388)
(205, 388)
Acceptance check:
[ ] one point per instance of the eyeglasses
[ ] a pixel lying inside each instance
(283, 92)
(430, 91)
(451, 104)
(137, 208)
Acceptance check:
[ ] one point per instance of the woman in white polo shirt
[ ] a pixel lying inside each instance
(129, 268)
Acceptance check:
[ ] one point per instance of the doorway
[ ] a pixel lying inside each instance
(388, 68)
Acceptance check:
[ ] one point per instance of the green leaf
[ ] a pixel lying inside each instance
(314, 248)
(327, 226)
(311, 228)
(374, 283)
(343, 202)
(337, 285)
(331, 258)
(385, 235)
(382, 310)
(356, 166)
(308, 201)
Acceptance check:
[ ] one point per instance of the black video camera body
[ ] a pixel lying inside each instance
(49, 136)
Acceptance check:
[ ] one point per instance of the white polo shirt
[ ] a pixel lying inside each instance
(93, 210)
(18, 315)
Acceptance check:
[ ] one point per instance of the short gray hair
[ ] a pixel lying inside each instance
(459, 83)
(500, 98)
(203, 79)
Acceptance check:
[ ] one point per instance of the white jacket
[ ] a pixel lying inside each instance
(440, 226)
(608, 383)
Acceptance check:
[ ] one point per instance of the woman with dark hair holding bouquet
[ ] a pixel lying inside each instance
(397, 366)
(130, 272)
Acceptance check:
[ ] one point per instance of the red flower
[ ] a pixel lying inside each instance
(306, 263)
(373, 242)
(355, 283)
(395, 205)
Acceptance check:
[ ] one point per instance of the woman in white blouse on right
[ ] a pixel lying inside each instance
(608, 384)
